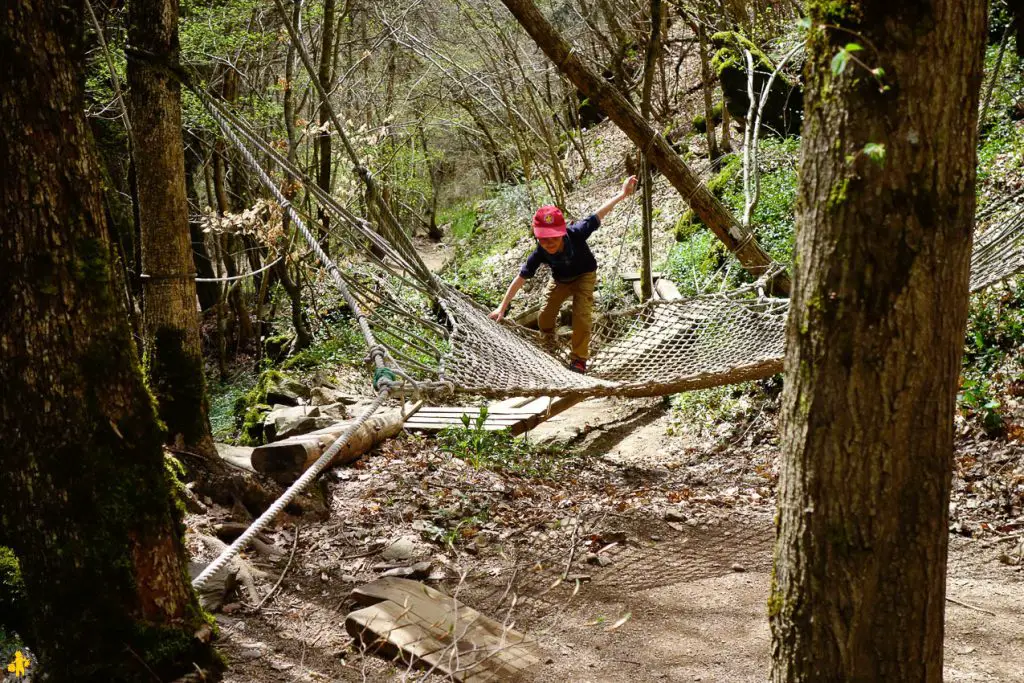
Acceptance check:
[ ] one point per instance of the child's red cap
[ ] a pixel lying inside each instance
(548, 222)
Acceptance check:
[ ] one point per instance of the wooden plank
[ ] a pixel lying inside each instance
(419, 625)
(438, 426)
(634, 275)
(472, 411)
(515, 402)
(557, 406)
(457, 419)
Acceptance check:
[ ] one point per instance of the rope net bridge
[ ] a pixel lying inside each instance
(429, 340)
(434, 341)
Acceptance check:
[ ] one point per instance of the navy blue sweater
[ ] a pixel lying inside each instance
(573, 260)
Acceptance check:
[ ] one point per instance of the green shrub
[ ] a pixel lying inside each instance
(499, 450)
(462, 220)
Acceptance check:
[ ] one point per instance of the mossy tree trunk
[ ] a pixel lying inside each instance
(173, 354)
(874, 341)
(87, 505)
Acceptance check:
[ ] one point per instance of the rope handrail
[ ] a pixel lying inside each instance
(295, 489)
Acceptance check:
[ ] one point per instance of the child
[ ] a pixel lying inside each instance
(573, 272)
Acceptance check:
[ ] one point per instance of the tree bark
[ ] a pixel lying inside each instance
(86, 507)
(173, 355)
(324, 139)
(650, 61)
(708, 208)
(707, 86)
(208, 292)
(874, 342)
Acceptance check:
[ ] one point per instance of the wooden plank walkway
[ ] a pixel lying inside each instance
(414, 623)
(518, 415)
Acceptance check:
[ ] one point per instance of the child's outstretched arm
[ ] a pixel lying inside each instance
(499, 312)
(628, 188)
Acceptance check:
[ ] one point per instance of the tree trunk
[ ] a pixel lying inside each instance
(87, 507)
(707, 86)
(208, 291)
(173, 355)
(650, 61)
(303, 338)
(324, 139)
(874, 342)
(708, 208)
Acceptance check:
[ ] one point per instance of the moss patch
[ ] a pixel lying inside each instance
(176, 380)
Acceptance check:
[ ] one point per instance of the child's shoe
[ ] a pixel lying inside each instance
(578, 365)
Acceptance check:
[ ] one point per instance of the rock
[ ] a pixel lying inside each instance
(303, 425)
(322, 379)
(599, 560)
(737, 567)
(218, 588)
(582, 578)
(285, 421)
(287, 391)
(692, 522)
(249, 654)
(402, 549)
(420, 570)
(322, 396)
(337, 411)
(676, 526)
(674, 516)
(236, 456)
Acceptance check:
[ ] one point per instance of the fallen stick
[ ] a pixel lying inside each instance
(295, 544)
(969, 606)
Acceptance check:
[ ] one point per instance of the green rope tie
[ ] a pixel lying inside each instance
(382, 374)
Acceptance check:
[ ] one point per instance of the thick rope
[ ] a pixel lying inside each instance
(377, 352)
(300, 484)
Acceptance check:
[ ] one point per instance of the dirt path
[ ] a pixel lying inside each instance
(694, 589)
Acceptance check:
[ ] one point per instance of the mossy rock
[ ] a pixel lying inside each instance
(276, 347)
(251, 407)
(784, 109)
(700, 122)
(730, 167)
(687, 226)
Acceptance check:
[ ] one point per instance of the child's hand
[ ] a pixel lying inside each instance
(497, 314)
(629, 186)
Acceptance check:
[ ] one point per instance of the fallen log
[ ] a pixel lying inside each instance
(284, 461)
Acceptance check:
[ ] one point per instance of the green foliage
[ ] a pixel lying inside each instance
(223, 397)
(251, 407)
(994, 339)
(977, 399)
(843, 57)
(13, 607)
(702, 411)
(461, 218)
(698, 256)
(343, 345)
(499, 450)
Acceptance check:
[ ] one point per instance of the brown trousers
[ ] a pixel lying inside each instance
(582, 292)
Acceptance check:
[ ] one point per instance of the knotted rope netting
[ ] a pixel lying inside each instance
(438, 341)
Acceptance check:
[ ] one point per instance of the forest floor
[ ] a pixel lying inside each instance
(682, 525)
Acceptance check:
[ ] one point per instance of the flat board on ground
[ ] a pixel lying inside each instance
(413, 622)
